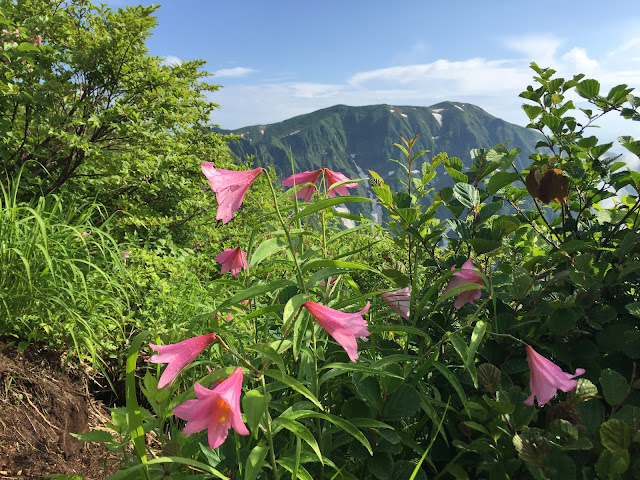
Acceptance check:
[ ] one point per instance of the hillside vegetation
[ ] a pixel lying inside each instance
(210, 292)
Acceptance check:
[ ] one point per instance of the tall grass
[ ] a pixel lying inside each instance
(62, 281)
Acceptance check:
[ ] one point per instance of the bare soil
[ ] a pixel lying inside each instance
(39, 406)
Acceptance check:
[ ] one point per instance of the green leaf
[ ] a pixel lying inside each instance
(561, 321)
(532, 111)
(521, 282)
(446, 373)
(563, 430)
(585, 390)
(588, 88)
(614, 386)
(100, 436)
(329, 202)
(292, 311)
(612, 463)
(298, 430)
(482, 245)
(290, 465)
(266, 249)
(126, 473)
(294, 384)
(134, 415)
(468, 195)
(402, 403)
(380, 465)
(255, 291)
(634, 309)
(559, 465)
(455, 174)
(500, 180)
(324, 263)
(254, 404)
(615, 435)
(504, 408)
(341, 423)
(476, 339)
(255, 461)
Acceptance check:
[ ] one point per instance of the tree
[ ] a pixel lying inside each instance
(88, 110)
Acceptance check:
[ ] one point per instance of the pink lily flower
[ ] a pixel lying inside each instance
(343, 327)
(399, 301)
(216, 410)
(546, 378)
(233, 259)
(179, 355)
(335, 177)
(299, 179)
(468, 275)
(230, 187)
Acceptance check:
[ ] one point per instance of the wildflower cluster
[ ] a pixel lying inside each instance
(218, 409)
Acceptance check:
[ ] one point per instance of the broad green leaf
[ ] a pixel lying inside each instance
(255, 461)
(456, 175)
(468, 195)
(266, 249)
(292, 311)
(561, 321)
(615, 435)
(588, 88)
(402, 403)
(254, 404)
(634, 309)
(614, 386)
(500, 180)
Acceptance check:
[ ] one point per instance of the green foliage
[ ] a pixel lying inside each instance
(440, 386)
(63, 281)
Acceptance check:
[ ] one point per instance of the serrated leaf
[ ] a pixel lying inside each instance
(490, 376)
(466, 194)
(585, 390)
(588, 88)
(615, 435)
(633, 308)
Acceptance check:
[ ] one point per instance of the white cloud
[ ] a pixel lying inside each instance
(492, 84)
(577, 57)
(536, 48)
(234, 72)
(171, 60)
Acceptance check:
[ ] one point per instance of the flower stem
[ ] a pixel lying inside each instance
(274, 464)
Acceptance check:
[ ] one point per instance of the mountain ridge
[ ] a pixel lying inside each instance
(353, 140)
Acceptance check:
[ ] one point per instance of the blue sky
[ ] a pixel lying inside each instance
(277, 59)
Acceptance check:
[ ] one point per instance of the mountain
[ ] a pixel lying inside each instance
(354, 139)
